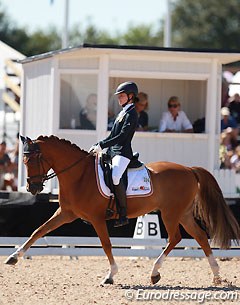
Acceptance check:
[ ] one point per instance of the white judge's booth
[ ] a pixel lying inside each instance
(60, 87)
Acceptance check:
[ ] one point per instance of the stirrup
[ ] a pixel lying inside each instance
(122, 221)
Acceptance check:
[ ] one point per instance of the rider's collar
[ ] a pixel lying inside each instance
(125, 108)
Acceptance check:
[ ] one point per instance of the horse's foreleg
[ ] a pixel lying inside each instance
(54, 222)
(102, 232)
(174, 239)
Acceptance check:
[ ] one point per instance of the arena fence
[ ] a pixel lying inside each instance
(228, 181)
(91, 246)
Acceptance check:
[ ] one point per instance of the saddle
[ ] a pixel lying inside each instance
(139, 181)
(105, 162)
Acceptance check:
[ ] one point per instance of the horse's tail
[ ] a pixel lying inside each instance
(212, 209)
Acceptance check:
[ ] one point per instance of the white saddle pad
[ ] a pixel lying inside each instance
(139, 182)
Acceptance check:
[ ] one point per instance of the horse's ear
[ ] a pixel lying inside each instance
(23, 139)
(28, 139)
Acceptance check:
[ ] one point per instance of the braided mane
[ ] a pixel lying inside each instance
(63, 141)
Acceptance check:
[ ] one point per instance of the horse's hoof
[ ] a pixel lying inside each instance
(107, 281)
(155, 278)
(11, 260)
(217, 280)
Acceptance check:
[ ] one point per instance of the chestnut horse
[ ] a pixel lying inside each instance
(179, 192)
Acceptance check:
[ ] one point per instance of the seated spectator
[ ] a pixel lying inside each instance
(174, 120)
(88, 115)
(235, 159)
(228, 121)
(5, 164)
(199, 125)
(234, 107)
(14, 154)
(225, 149)
(141, 105)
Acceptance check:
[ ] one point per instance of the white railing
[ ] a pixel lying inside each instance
(91, 246)
(228, 181)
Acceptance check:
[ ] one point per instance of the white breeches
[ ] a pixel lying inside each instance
(119, 165)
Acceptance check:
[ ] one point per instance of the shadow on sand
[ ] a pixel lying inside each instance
(226, 287)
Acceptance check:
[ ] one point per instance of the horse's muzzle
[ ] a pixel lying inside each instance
(35, 187)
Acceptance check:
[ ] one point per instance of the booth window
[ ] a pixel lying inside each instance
(192, 95)
(78, 101)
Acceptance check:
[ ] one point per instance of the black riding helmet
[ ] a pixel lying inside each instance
(127, 87)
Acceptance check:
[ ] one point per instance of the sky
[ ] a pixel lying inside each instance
(111, 15)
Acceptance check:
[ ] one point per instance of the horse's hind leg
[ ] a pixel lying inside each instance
(54, 222)
(101, 228)
(174, 237)
(196, 232)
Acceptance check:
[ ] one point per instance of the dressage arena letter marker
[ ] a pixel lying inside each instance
(152, 229)
(147, 226)
(139, 228)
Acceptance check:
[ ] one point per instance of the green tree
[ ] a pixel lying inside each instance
(44, 41)
(28, 44)
(4, 24)
(9, 33)
(142, 35)
(206, 24)
(18, 39)
(91, 35)
(41, 42)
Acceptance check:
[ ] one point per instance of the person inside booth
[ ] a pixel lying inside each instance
(175, 120)
(88, 114)
(141, 105)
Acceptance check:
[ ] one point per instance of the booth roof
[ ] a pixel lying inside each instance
(128, 47)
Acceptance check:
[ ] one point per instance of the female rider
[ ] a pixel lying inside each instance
(119, 144)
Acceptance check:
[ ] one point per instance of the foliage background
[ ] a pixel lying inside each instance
(195, 24)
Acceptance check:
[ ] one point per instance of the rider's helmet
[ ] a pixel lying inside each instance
(127, 87)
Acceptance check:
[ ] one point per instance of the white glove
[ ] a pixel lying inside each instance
(95, 149)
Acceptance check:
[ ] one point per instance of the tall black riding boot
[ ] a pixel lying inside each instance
(121, 199)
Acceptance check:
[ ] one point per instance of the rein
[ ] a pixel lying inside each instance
(52, 175)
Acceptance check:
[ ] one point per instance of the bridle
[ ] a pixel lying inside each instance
(33, 152)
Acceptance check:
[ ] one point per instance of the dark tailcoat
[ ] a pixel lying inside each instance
(120, 137)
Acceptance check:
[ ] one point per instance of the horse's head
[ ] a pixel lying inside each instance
(37, 166)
